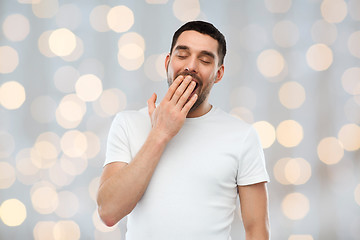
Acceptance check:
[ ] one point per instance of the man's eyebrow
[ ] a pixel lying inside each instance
(207, 53)
(182, 47)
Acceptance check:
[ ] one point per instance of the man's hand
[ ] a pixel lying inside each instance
(170, 115)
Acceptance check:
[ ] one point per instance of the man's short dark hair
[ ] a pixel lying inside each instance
(204, 28)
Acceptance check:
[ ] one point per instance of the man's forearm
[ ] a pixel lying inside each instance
(119, 194)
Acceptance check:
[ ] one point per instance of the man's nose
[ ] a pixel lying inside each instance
(191, 65)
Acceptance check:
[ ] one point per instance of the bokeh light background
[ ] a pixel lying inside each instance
(67, 67)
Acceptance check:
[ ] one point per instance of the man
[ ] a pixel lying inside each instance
(176, 168)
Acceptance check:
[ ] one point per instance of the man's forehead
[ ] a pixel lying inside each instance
(197, 41)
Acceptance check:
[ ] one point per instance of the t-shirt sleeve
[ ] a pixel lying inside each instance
(117, 149)
(252, 168)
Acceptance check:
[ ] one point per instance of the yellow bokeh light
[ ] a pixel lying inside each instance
(24, 165)
(285, 33)
(186, 10)
(131, 51)
(59, 177)
(88, 87)
(65, 230)
(12, 95)
(44, 199)
(7, 144)
(7, 175)
(330, 150)
(130, 64)
(334, 11)
(68, 204)
(278, 6)
(74, 143)
(270, 63)
(62, 42)
(243, 113)
(357, 194)
(73, 166)
(98, 18)
(289, 133)
(9, 59)
(351, 80)
(266, 132)
(12, 212)
(353, 44)
(110, 102)
(43, 44)
(44, 154)
(120, 19)
(300, 237)
(16, 27)
(93, 144)
(324, 32)
(43, 230)
(70, 111)
(295, 206)
(294, 171)
(292, 95)
(319, 57)
(349, 135)
(154, 67)
(76, 53)
(45, 8)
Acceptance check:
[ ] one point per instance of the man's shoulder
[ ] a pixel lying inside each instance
(132, 116)
(230, 119)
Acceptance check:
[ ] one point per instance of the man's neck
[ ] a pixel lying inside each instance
(203, 109)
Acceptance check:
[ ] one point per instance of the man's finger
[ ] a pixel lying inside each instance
(189, 104)
(173, 87)
(185, 95)
(151, 104)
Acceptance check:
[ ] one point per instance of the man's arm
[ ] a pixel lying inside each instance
(254, 211)
(122, 185)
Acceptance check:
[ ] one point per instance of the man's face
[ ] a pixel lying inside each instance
(195, 54)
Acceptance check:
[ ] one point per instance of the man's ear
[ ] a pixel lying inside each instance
(167, 60)
(220, 73)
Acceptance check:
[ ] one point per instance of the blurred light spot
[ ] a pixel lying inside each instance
(352, 110)
(44, 154)
(285, 33)
(45, 8)
(333, 11)
(266, 133)
(91, 66)
(43, 44)
(12, 95)
(297, 171)
(99, 225)
(93, 188)
(253, 37)
(243, 113)
(69, 16)
(324, 32)
(130, 39)
(295, 206)
(292, 95)
(354, 9)
(12, 212)
(9, 59)
(70, 111)
(128, 58)
(349, 135)
(131, 51)
(289, 133)
(156, 1)
(73, 166)
(319, 57)
(43, 230)
(88, 87)
(270, 63)
(353, 44)
(62, 42)
(44, 199)
(93, 145)
(65, 78)
(186, 10)
(74, 143)
(76, 53)
(243, 97)
(130, 64)
(110, 102)
(7, 144)
(351, 80)
(154, 67)
(68, 204)
(65, 230)
(278, 6)
(120, 18)
(43, 109)
(301, 237)
(24, 165)
(98, 18)
(279, 171)
(16, 27)
(357, 194)
(7, 175)
(29, 1)
(330, 150)
(59, 177)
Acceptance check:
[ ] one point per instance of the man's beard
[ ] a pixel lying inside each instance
(203, 93)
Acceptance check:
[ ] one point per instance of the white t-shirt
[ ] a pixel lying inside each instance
(192, 193)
